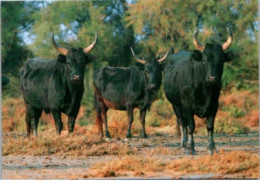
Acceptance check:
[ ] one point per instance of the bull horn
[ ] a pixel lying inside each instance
(62, 50)
(137, 59)
(196, 43)
(229, 40)
(165, 56)
(93, 44)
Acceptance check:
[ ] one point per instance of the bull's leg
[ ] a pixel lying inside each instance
(130, 121)
(33, 118)
(142, 119)
(99, 121)
(191, 127)
(182, 126)
(71, 123)
(187, 117)
(57, 118)
(183, 131)
(210, 128)
(28, 123)
(104, 117)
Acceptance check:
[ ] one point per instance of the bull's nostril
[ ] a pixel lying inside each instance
(76, 77)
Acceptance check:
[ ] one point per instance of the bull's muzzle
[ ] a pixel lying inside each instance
(76, 77)
(152, 86)
(212, 79)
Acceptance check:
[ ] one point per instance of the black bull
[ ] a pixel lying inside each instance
(125, 89)
(54, 86)
(192, 84)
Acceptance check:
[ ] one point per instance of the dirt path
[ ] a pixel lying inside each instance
(163, 147)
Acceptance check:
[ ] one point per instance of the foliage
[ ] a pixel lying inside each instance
(16, 19)
(162, 24)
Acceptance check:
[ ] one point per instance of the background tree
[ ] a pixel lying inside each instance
(162, 24)
(16, 19)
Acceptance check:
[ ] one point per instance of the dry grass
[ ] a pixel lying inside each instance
(78, 144)
(159, 121)
(135, 164)
(232, 163)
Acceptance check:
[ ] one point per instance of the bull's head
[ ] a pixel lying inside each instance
(213, 56)
(152, 70)
(75, 59)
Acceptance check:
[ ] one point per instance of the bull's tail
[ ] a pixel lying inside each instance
(98, 119)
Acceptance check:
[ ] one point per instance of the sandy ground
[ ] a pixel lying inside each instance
(164, 147)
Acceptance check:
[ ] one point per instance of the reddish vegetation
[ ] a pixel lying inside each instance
(238, 113)
(224, 163)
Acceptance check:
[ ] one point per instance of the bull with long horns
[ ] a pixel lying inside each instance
(54, 86)
(192, 84)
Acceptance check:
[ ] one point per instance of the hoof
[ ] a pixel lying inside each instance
(108, 135)
(128, 136)
(108, 139)
(144, 136)
(190, 152)
(211, 152)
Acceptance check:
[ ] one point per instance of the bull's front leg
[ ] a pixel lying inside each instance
(189, 120)
(72, 115)
(58, 122)
(130, 120)
(210, 129)
(142, 119)
(183, 131)
(190, 146)
(71, 124)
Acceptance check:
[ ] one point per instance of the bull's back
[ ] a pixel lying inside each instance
(117, 86)
(34, 81)
(175, 75)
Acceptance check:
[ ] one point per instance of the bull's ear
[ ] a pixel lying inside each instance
(229, 56)
(196, 55)
(61, 58)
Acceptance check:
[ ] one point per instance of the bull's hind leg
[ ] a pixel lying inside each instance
(104, 118)
(130, 121)
(58, 122)
(28, 124)
(32, 119)
(142, 119)
(99, 121)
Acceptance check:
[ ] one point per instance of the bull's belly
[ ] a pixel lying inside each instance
(200, 110)
(36, 100)
(114, 105)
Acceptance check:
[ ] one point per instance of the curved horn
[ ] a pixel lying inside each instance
(137, 59)
(93, 44)
(165, 56)
(195, 42)
(229, 40)
(62, 50)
